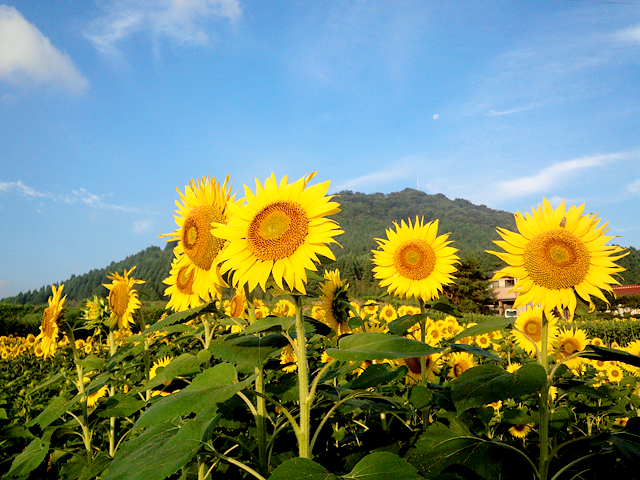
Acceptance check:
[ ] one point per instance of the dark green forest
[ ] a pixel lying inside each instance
(364, 217)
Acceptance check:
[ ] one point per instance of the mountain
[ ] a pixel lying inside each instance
(364, 217)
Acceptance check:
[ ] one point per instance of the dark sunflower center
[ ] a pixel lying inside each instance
(569, 346)
(119, 299)
(49, 321)
(458, 369)
(199, 243)
(278, 230)
(236, 306)
(184, 280)
(415, 259)
(556, 259)
(533, 328)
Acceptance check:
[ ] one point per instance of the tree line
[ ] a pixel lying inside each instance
(363, 217)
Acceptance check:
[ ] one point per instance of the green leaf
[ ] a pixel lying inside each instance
(301, 469)
(401, 325)
(382, 466)
(91, 362)
(489, 383)
(420, 396)
(32, 456)
(453, 444)
(212, 386)
(248, 351)
(446, 309)
(56, 408)
(484, 327)
(182, 317)
(472, 349)
(157, 453)
(54, 379)
(121, 406)
(185, 364)
(378, 346)
(515, 416)
(377, 374)
(595, 352)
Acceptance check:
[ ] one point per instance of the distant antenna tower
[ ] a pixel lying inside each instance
(418, 179)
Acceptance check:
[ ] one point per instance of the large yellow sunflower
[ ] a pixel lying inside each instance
(47, 340)
(335, 302)
(460, 362)
(556, 254)
(203, 203)
(279, 232)
(123, 299)
(528, 330)
(414, 261)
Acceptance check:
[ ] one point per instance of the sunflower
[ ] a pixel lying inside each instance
(288, 358)
(414, 261)
(568, 342)
(460, 362)
(203, 203)
(558, 254)
(47, 339)
(284, 308)
(388, 313)
(614, 373)
(92, 398)
(520, 431)
(513, 367)
(278, 233)
(180, 290)
(483, 341)
(414, 373)
(528, 329)
(123, 299)
(335, 302)
(369, 308)
(317, 312)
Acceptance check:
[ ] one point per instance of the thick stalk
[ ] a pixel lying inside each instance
(544, 403)
(84, 423)
(261, 406)
(423, 337)
(112, 392)
(303, 383)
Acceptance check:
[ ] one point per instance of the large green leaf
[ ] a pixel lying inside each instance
(473, 350)
(382, 466)
(32, 456)
(120, 406)
(301, 469)
(453, 444)
(157, 453)
(378, 346)
(212, 386)
(184, 364)
(377, 374)
(248, 351)
(179, 317)
(56, 408)
(489, 383)
(484, 327)
(595, 352)
(401, 325)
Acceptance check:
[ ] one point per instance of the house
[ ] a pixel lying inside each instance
(500, 289)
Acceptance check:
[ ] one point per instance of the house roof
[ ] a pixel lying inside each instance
(626, 289)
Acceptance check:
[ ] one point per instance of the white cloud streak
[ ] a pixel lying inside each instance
(26, 55)
(184, 21)
(633, 187)
(80, 195)
(554, 175)
(372, 179)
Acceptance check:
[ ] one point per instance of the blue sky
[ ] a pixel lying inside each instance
(106, 107)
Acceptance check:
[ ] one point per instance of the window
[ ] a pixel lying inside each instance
(509, 282)
(495, 284)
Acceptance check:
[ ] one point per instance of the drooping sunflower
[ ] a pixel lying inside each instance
(460, 362)
(414, 261)
(47, 339)
(557, 254)
(528, 329)
(335, 302)
(123, 299)
(180, 290)
(278, 233)
(568, 342)
(520, 431)
(203, 203)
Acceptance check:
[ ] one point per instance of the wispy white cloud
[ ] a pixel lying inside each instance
(494, 113)
(631, 34)
(26, 55)
(141, 227)
(80, 195)
(372, 180)
(184, 21)
(633, 187)
(554, 175)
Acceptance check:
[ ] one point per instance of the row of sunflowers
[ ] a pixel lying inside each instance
(232, 389)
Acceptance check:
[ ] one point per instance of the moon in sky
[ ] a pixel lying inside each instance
(436, 116)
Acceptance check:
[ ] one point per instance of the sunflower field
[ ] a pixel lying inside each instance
(323, 386)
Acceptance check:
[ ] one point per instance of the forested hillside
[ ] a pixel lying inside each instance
(364, 217)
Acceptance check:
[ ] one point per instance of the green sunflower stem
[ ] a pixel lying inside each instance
(303, 383)
(544, 404)
(423, 338)
(145, 354)
(112, 392)
(261, 406)
(84, 423)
